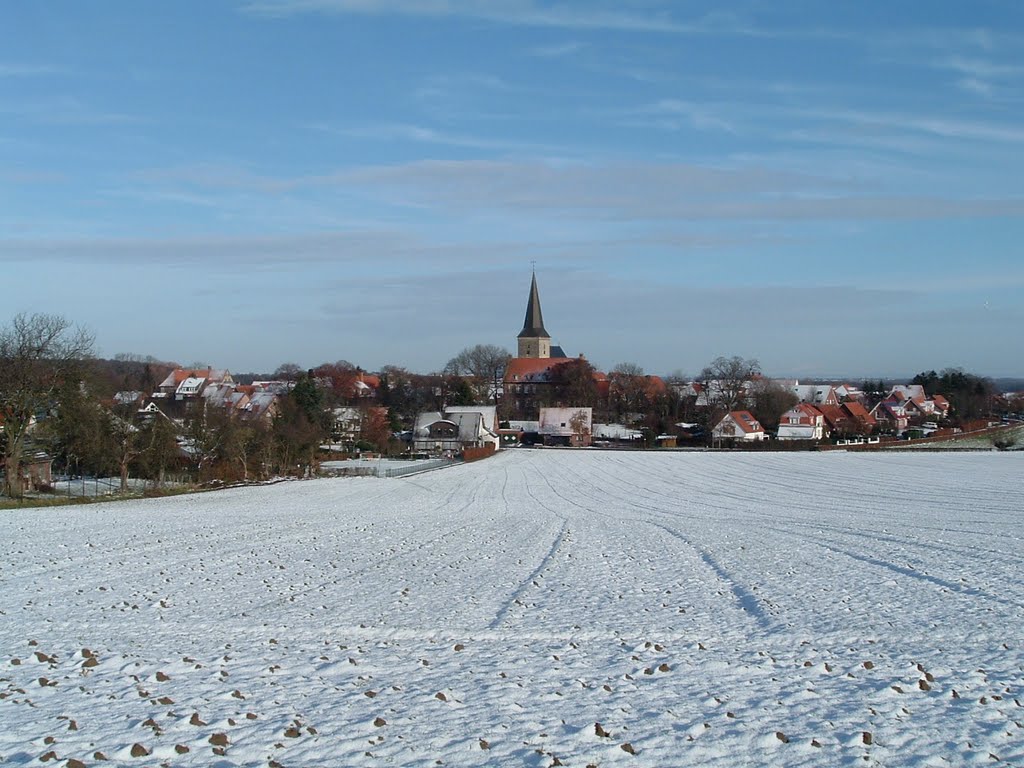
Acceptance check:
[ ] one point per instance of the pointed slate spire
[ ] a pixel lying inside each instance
(533, 325)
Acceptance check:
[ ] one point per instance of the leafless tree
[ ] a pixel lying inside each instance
(485, 364)
(39, 353)
(770, 401)
(627, 389)
(725, 382)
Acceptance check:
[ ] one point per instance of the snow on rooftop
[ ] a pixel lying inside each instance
(613, 608)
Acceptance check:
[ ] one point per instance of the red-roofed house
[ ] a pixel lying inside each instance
(802, 422)
(739, 425)
(865, 421)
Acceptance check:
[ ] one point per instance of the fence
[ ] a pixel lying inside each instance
(381, 468)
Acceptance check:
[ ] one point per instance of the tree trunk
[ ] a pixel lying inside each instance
(12, 476)
(12, 463)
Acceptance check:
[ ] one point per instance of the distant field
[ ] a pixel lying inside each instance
(978, 442)
(537, 608)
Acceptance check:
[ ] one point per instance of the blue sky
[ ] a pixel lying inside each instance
(831, 188)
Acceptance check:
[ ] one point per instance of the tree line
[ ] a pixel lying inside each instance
(55, 396)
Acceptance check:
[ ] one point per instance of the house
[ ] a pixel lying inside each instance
(847, 420)
(890, 415)
(262, 405)
(365, 385)
(802, 422)
(846, 393)
(861, 416)
(185, 383)
(489, 413)
(350, 425)
(739, 425)
(226, 395)
(346, 424)
(816, 394)
(567, 426)
(452, 432)
(618, 433)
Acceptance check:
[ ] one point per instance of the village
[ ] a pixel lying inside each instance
(202, 424)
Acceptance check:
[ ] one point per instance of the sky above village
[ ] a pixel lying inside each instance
(831, 188)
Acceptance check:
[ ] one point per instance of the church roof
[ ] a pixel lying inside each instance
(533, 325)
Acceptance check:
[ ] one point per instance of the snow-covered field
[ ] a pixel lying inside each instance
(538, 608)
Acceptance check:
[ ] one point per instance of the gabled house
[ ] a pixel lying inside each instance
(567, 426)
(739, 425)
(185, 382)
(489, 413)
(802, 422)
(816, 394)
(866, 423)
(262, 405)
(452, 432)
(890, 415)
(846, 393)
(847, 420)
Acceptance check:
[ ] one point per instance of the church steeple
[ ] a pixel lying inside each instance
(534, 340)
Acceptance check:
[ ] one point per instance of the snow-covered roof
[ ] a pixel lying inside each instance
(615, 432)
(190, 385)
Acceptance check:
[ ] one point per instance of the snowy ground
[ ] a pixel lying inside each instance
(538, 608)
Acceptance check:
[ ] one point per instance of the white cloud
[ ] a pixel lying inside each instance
(514, 12)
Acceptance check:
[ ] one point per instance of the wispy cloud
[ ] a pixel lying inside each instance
(27, 70)
(949, 128)
(557, 50)
(66, 111)
(514, 12)
(631, 192)
(28, 176)
(673, 114)
(425, 135)
(567, 191)
(984, 78)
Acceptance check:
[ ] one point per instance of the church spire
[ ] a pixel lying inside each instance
(534, 323)
(534, 340)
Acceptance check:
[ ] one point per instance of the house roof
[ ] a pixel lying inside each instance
(533, 325)
(835, 415)
(745, 420)
(371, 380)
(488, 412)
(530, 368)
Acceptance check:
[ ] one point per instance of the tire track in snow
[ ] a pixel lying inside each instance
(748, 601)
(911, 572)
(515, 598)
(531, 580)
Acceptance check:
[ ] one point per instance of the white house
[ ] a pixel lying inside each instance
(452, 430)
(802, 422)
(567, 426)
(738, 425)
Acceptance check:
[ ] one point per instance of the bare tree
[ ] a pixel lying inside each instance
(627, 389)
(725, 382)
(485, 364)
(770, 401)
(39, 353)
(288, 372)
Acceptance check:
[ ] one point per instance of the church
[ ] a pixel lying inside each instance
(542, 375)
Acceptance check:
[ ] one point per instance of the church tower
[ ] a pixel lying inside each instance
(534, 341)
